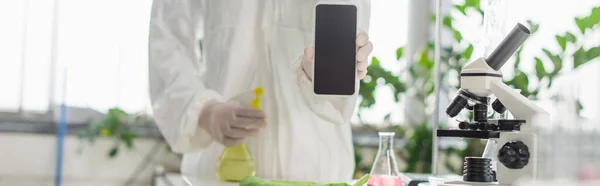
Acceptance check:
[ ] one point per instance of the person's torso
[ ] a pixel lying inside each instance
(249, 43)
(238, 36)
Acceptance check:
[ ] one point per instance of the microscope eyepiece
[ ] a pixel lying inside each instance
(507, 47)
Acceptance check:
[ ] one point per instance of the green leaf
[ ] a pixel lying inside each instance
(533, 27)
(468, 52)
(581, 56)
(367, 89)
(550, 80)
(593, 52)
(374, 61)
(362, 181)
(399, 53)
(540, 71)
(480, 13)
(556, 61)
(431, 45)
(399, 86)
(116, 112)
(113, 152)
(557, 67)
(366, 92)
(462, 9)
(581, 24)
(521, 82)
(113, 119)
(472, 3)
(457, 35)
(447, 21)
(127, 136)
(595, 16)
(570, 37)
(562, 41)
(518, 58)
(553, 58)
(424, 61)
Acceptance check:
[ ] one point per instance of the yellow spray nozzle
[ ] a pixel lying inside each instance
(257, 93)
(256, 104)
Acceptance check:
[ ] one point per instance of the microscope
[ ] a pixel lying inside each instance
(515, 146)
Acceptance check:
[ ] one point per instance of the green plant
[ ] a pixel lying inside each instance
(114, 127)
(572, 49)
(376, 73)
(418, 149)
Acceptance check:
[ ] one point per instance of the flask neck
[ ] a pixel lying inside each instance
(386, 143)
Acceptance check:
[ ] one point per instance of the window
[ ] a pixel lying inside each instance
(103, 44)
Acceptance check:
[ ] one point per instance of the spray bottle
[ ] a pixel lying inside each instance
(235, 162)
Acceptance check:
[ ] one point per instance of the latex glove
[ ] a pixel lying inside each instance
(230, 124)
(364, 47)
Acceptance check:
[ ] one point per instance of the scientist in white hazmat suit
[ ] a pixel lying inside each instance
(249, 43)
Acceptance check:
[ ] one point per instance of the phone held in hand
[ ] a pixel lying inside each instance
(335, 33)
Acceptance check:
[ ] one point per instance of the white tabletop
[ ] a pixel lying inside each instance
(214, 183)
(177, 180)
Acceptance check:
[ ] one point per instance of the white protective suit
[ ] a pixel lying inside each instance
(248, 43)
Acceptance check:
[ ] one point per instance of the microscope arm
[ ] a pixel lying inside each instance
(519, 106)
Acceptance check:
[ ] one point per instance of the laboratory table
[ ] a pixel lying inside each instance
(177, 180)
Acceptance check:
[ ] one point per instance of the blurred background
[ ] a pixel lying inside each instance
(88, 59)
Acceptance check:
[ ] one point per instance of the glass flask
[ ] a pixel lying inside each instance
(385, 168)
(236, 162)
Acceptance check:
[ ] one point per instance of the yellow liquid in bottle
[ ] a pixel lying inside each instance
(235, 162)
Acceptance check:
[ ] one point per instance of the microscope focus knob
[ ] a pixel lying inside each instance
(514, 155)
(463, 125)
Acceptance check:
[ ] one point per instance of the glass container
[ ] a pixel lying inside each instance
(385, 168)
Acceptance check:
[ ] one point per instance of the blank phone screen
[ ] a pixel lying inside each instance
(335, 50)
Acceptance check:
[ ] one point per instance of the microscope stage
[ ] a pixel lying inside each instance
(468, 134)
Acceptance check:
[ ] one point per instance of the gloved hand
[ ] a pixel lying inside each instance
(364, 47)
(230, 124)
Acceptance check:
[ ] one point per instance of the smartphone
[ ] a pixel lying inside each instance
(334, 71)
